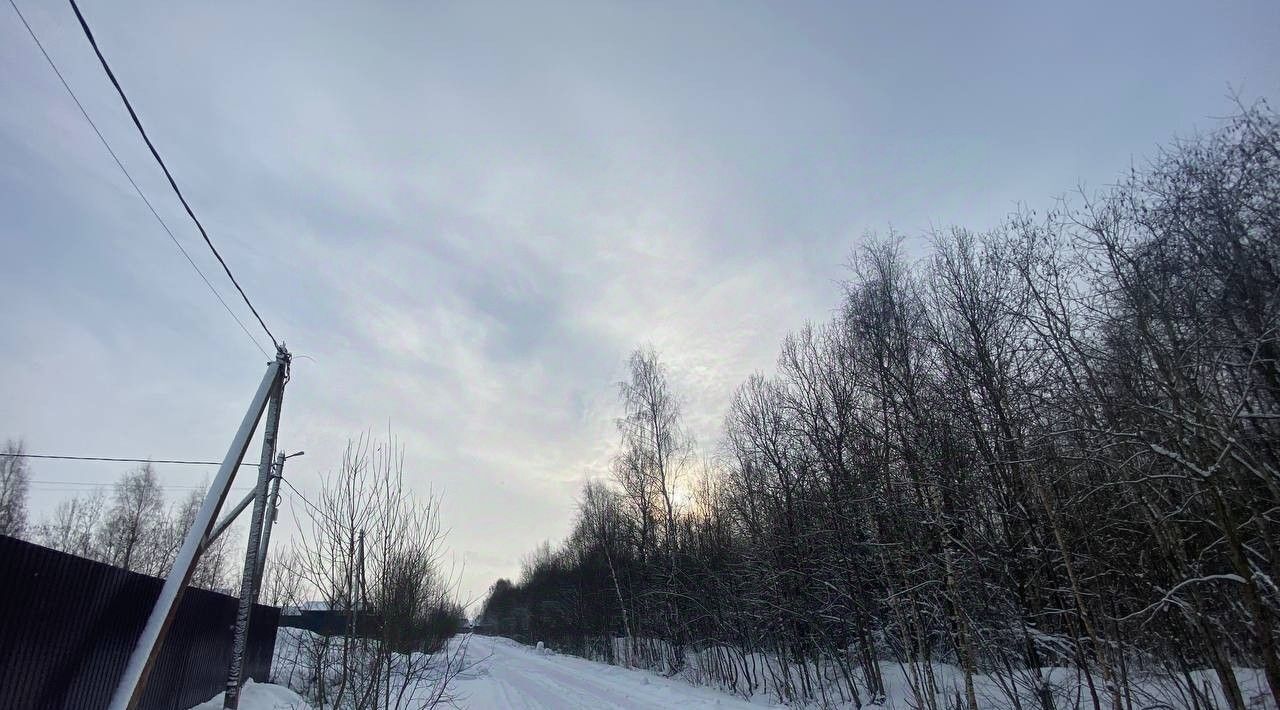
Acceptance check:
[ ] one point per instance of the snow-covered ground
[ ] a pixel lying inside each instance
(501, 673)
(260, 696)
(505, 674)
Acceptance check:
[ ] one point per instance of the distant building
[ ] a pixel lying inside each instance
(317, 617)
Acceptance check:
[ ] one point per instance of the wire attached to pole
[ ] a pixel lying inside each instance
(129, 177)
(172, 183)
(115, 459)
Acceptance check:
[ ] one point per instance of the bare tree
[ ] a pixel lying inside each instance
(655, 443)
(656, 449)
(14, 477)
(72, 527)
(216, 568)
(132, 532)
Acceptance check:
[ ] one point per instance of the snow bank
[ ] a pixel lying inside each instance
(306, 662)
(765, 678)
(260, 696)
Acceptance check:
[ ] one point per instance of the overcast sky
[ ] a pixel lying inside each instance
(468, 214)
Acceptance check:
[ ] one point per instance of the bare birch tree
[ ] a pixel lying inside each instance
(14, 480)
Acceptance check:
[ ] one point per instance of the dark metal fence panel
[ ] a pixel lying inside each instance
(67, 625)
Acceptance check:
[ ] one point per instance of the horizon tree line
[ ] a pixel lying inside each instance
(129, 524)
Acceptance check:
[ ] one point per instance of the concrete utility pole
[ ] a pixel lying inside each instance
(273, 509)
(133, 682)
(249, 577)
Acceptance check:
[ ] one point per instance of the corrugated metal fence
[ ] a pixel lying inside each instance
(67, 625)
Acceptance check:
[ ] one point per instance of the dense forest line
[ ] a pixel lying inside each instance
(1053, 444)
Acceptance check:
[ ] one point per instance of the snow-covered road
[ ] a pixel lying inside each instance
(508, 675)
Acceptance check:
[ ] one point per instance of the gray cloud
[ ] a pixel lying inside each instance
(468, 215)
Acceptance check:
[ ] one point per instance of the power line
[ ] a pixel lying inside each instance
(129, 177)
(313, 506)
(172, 183)
(115, 459)
(88, 485)
(303, 497)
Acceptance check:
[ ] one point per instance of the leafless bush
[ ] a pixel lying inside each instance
(373, 552)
